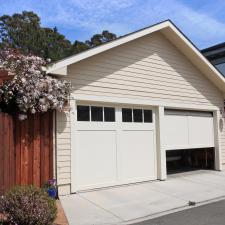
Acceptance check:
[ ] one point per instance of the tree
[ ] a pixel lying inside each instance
(79, 46)
(99, 39)
(20, 31)
(31, 90)
(24, 32)
(55, 46)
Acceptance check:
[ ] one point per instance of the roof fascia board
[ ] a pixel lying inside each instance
(61, 71)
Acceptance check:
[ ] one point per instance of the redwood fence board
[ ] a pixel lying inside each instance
(26, 150)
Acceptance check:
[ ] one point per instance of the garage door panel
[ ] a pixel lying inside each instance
(96, 158)
(113, 150)
(137, 160)
(188, 129)
(201, 131)
(176, 131)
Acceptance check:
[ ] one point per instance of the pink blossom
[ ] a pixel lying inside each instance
(31, 89)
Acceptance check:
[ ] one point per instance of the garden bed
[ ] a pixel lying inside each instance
(61, 217)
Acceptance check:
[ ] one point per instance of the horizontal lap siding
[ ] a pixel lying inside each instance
(63, 148)
(150, 67)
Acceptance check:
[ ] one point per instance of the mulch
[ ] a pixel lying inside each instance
(61, 217)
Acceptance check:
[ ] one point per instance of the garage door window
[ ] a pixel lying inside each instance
(148, 116)
(95, 113)
(136, 115)
(83, 113)
(109, 114)
(127, 115)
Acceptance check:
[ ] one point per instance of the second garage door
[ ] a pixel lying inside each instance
(188, 129)
(114, 145)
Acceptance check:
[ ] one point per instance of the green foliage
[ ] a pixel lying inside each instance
(28, 205)
(24, 32)
(78, 46)
(99, 39)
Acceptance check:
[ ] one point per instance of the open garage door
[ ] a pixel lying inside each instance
(188, 129)
(189, 140)
(114, 145)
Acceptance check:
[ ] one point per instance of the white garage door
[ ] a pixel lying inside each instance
(114, 145)
(188, 129)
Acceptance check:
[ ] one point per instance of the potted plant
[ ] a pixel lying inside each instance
(51, 188)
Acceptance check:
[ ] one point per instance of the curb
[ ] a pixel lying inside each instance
(167, 212)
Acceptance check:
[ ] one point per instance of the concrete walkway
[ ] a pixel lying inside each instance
(133, 203)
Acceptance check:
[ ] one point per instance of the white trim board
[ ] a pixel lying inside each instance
(170, 31)
(117, 100)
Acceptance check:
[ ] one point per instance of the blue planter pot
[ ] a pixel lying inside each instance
(52, 193)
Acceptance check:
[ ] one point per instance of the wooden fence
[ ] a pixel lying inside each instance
(26, 150)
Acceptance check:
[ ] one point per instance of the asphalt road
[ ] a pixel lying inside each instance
(211, 214)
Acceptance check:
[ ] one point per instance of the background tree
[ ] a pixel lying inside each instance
(79, 46)
(99, 39)
(54, 45)
(24, 32)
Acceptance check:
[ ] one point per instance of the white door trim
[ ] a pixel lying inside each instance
(161, 151)
(218, 153)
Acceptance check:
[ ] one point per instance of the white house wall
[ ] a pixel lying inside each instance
(149, 68)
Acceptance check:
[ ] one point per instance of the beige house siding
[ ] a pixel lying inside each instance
(63, 152)
(150, 67)
(147, 68)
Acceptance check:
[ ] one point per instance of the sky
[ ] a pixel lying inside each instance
(203, 21)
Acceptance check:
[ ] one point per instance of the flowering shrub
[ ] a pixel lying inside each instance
(28, 205)
(30, 90)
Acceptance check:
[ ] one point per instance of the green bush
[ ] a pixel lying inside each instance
(28, 205)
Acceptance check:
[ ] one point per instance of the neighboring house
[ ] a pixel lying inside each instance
(133, 100)
(216, 55)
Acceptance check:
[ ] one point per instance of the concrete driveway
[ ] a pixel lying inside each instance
(137, 202)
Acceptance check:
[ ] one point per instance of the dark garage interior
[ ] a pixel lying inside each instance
(185, 160)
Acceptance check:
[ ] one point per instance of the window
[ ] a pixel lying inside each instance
(127, 115)
(96, 113)
(148, 116)
(109, 114)
(83, 113)
(137, 115)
